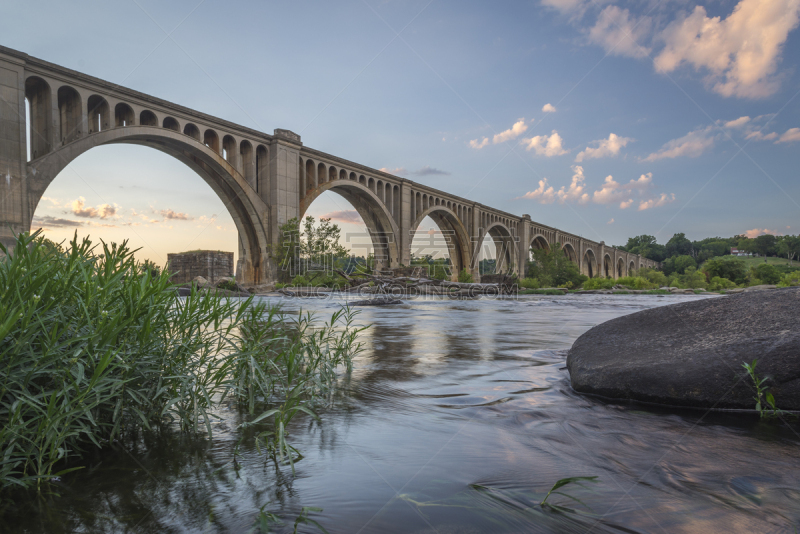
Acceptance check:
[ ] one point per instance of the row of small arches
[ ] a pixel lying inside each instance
(251, 162)
(422, 202)
(489, 219)
(313, 174)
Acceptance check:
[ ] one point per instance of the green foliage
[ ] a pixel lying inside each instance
(95, 349)
(789, 246)
(653, 276)
(465, 277)
(717, 284)
(679, 245)
(553, 268)
(637, 282)
(791, 279)
(529, 283)
(693, 279)
(229, 285)
(647, 246)
(678, 264)
(314, 246)
(599, 283)
(299, 281)
(765, 401)
(729, 267)
(766, 273)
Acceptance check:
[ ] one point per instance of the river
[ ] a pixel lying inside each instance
(458, 417)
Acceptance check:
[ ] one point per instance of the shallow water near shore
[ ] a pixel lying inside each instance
(458, 417)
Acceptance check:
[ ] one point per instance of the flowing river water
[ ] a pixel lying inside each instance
(458, 417)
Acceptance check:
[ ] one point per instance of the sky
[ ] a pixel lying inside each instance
(604, 119)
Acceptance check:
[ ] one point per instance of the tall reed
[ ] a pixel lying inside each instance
(94, 346)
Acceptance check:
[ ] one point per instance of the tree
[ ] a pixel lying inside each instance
(678, 264)
(679, 245)
(731, 268)
(767, 273)
(789, 246)
(646, 246)
(317, 247)
(765, 245)
(553, 268)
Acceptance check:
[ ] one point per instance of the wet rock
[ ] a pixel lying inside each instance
(691, 354)
(760, 287)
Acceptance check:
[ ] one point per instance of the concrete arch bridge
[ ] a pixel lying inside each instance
(263, 180)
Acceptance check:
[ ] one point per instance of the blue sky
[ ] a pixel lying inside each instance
(606, 119)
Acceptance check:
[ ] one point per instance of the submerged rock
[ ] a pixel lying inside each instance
(375, 302)
(691, 354)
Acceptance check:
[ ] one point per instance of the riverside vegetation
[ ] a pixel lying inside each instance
(97, 349)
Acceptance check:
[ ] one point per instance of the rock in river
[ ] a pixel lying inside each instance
(691, 354)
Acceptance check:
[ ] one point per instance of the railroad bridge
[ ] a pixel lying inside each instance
(263, 180)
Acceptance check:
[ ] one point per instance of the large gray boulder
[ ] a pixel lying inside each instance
(691, 354)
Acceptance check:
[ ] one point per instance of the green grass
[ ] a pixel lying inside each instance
(750, 261)
(96, 349)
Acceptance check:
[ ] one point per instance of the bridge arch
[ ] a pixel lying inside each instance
(621, 268)
(454, 232)
(569, 251)
(505, 246)
(540, 242)
(608, 267)
(248, 211)
(589, 263)
(631, 268)
(383, 229)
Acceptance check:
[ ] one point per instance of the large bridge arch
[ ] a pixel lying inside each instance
(248, 211)
(505, 246)
(569, 251)
(383, 229)
(539, 242)
(455, 234)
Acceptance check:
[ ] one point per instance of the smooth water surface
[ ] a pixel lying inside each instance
(458, 417)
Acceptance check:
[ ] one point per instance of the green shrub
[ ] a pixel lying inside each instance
(299, 281)
(598, 283)
(653, 275)
(529, 283)
(230, 285)
(765, 272)
(693, 279)
(728, 267)
(791, 279)
(465, 277)
(637, 282)
(718, 283)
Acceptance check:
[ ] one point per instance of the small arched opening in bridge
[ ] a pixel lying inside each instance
(229, 150)
(247, 163)
(120, 204)
(620, 268)
(368, 227)
(211, 140)
(148, 118)
(262, 174)
(123, 115)
(569, 251)
(70, 112)
(99, 114)
(192, 131)
(631, 268)
(500, 238)
(608, 268)
(589, 264)
(39, 109)
(170, 123)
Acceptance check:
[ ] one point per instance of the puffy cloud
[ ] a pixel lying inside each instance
(625, 204)
(755, 232)
(430, 171)
(612, 191)
(663, 200)
(175, 215)
(758, 136)
(549, 108)
(545, 145)
(479, 144)
(605, 148)
(54, 222)
(51, 200)
(789, 136)
(620, 34)
(741, 52)
(611, 221)
(576, 188)
(102, 211)
(741, 121)
(397, 171)
(690, 145)
(517, 129)
(545, 194)
(345, 216)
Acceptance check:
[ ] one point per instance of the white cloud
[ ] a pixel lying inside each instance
(479, 144)
(545, 145)
(397, 171)
(690, 145)
(611, 221)
(741, 121)
(625, 204)
(605, 148)
(789, 136)
(545, 194)
(755, 232)
(656, 202)
(620, 34)
(758, 136)
(515, 131)
(576, 188)
(612, 191)
(549, 108)
(740, 53)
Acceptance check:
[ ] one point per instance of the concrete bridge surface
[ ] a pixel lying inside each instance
(263, 180)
